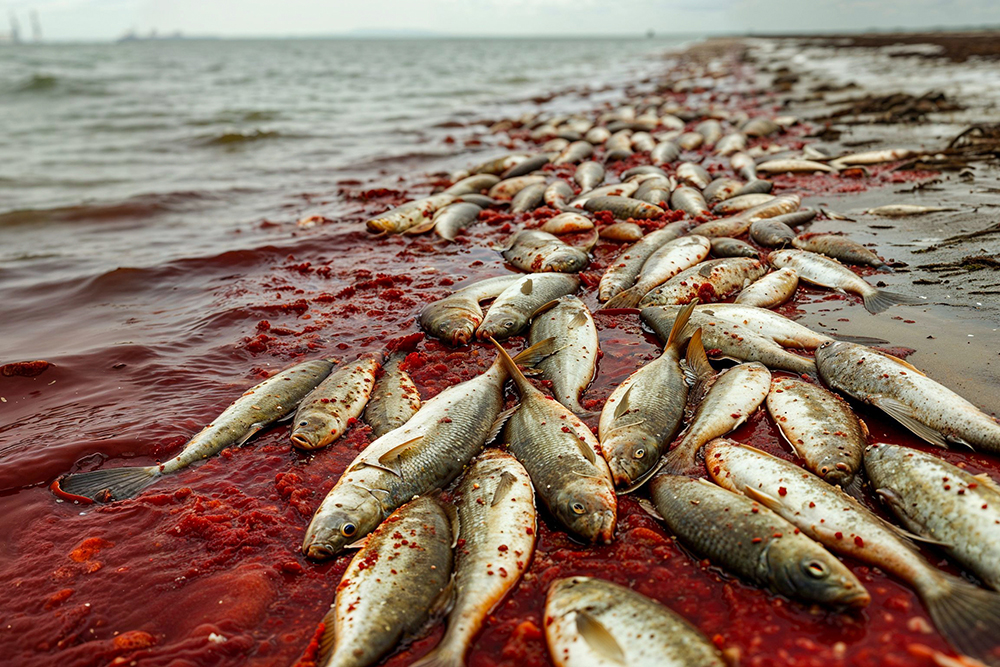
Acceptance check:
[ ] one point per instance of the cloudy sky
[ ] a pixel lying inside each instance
(109, 19)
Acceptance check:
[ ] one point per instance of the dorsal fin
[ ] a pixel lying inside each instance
(549, 305)
(503, 486)
(530, 356)
(679, 323)
(903, 362)
(586, 450)
(647, 506)
(579, 319)
(701, 371)
(622, 406)
(499, 422)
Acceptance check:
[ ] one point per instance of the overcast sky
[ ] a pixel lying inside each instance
(109, 19)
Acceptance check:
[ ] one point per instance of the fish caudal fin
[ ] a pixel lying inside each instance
(681, 460)
(969, 618)
(676, 331)
(441, 657)
(529, 357)
(107, 485)
(629, 298)
(878, 301)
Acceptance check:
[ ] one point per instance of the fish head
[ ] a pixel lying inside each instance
(816, 575)
(310, 430)
(632, 458)
(499, 323)
(453, 322)
(835, 471)
(339, 524)
(587, 506)
(568, 260)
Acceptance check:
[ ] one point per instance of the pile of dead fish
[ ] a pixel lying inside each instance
(768, 521)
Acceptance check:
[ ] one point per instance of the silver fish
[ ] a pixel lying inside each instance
(623, 207)
(740, 203)
(564, 461)
(526, 166)
(500, 164)
(575, 152)
(622, 272)
(793, 165)
(624, 189)
(455, 318)
(693, 174)
(666, 262)
(558, 194)
(324, 414)
(759, 127)
(566, 223)
(903, 210)
(690, 141)
(928, 409)
(772, 290)
(528, 198)
(621, 232)
(771, 233)
(589, 175)
(258, 407)
(425, 454)
(840, 248)
(821, 428)
(593, 622)
(394, 400)
(391, 588)
(753, 542)
(941, 502)
(496, 515)
(826, 272)
(873, 157)
(744, 165)
(473, 184)
(722, 189)
(664, 152)
(507, 188)
(690, 200)
(967, 616)
(514, 308)
(731, 143)
(714, 279)
(725, 246)
(400, 219)
(453, 218)
(574, 363)
(538, 252)
(711, 129)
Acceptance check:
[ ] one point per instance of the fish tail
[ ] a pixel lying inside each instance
(680, 460)
(441, 656)
(878, 300)
(107, 485)
(629, 298)
(674, 338)
(969, 618)
(530, 357)
(699, 372)
(532, 354)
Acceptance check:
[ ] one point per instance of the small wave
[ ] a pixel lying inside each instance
(238, 138)
(141, 206)
(49, 84)
(37, 83)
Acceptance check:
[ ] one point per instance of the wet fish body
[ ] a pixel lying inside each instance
(455, 318)
(539, 252)
(740, 203)
(693, 174)
(328, 410)
(575, 152)
(400, 219)
(666, 262)
(622, 272)
(572, 366)
(665, 152)
(558, 194)
(840, 248)
(566, 223)
(506, 189)
(793, 166)
(726, 246)
(589, 175)
(453, 218)
(516, 305)
(690, 200)
(772, 290)
(528, 199)
(623, 207)
(714, 279)
(394, 400)
(771, 233)
(474, 184)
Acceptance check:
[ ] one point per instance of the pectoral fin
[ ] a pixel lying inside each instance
(904, 414)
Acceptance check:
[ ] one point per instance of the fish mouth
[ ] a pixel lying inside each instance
(302, 442)
(856, 599)
(320, 551)
(606, 532)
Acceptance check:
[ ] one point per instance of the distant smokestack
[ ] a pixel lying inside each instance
(36, 26)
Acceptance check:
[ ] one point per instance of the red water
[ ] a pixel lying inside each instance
(204, 568)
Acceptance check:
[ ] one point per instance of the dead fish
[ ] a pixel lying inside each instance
(589, 175)
(778, 328)
(538, 252)
(759, 127)
(399, 219)
(941, 503)
(326, 412)
(928, 409)
(693, 174)
(595, 622)
(623, 207)
(756, 186)
(710, 129)
(473, 184)
(618, 146)
(496, 515)
(733, 395)
(827, 272)
(481, 201)
(721, 189)
(643, 142)
(744, 165)
(753, 542)
(731, 143)
(455, 318)
(840, 248)
(625, 189)
(507, 188)
(426, 453)
(903, 210)
(566, 223)
(575, 152)
(873, 157)
(500, 164)
(391, 587)
(622, 272)
(621, 232)
(794, 166)
(740, 203)
(643, 414)
(453, 218)
(564, 461)
(690, 141)
(643, 170)
(516, 305)
(666, 262)
(654, 182)
(967, 616)
(597, 135)
(672, 122)
(821, 428)
(711, 280)
(571, 368)
(771, 233)
(555, 145)
(394, 400)
(558, 194)
(725, 246)
(690, 200)
(665, 152)
(772, 290)
(258, 407)
(528, 198)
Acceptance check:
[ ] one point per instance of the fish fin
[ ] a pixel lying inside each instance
(905, 416)
(327, 640)
(257, 428)
(644, 477)
(968, 617)
(530, 357)
(598, 638)
(629, 298)
(107, 485)
(544, 307)
(878, 301)
(445, 600)
(390, 460)
(699, 371)
(647, 506)
(761, 498)
(360, 544)
(682, 460)
(630, 424)
(528, 286)
(988, 482)
(898, 506)
(503, 486)
(754, 449)
(622, 406)
(456, 525)
(860, 340)
(680, 322)
(586, 450)
(579, 319)
(903, 362)
(425, 226)
(499, 422)
(441, 656)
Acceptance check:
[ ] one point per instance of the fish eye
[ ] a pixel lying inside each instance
(639, 453)
(815, 569)
(509, 324)
(348, 530)
(578, 508)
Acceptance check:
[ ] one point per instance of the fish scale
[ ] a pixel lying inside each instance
(572, 366)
